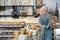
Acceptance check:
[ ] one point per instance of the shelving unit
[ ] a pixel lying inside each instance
(54, 21)
(5, 3)
(21, 6)
(8, 32)
(52, 33)
(19, 3)
(6, 36)
(29, 10)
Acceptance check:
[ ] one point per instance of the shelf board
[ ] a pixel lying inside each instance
(11, 26)
(6, 31)
(6, 35)
(9, 30)
(19, 5)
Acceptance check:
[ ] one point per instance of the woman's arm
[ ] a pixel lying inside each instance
(40, 21)
(50, 21)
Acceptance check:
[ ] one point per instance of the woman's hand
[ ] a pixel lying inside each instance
(47, 26)
(40, 25)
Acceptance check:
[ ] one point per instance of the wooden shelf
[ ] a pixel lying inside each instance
(6, 35)
(6, 31)
(9, 30)
(11, 26)
(19, 5)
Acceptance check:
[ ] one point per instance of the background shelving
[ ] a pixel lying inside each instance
(5, 10)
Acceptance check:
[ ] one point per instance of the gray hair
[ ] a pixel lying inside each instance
(45, 8)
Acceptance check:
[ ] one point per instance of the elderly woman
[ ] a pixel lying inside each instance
(45, 19)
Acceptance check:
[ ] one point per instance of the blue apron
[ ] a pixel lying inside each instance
(47, 32)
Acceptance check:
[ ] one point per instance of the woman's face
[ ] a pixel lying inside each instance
(43, 11)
